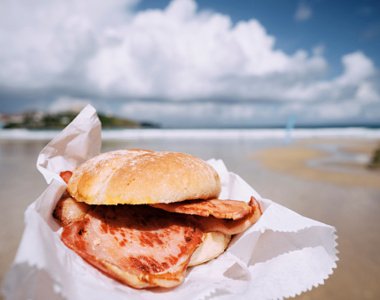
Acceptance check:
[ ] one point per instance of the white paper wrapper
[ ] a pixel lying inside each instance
(282, 255)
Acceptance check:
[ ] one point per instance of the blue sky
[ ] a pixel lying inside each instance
(183, 63)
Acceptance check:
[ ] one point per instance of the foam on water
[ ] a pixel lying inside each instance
(215, 134)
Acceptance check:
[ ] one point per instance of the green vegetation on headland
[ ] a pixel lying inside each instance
(39, 120)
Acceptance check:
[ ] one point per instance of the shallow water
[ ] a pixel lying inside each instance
(337, 159)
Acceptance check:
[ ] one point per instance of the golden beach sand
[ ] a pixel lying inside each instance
(292, 160)
(348, 198)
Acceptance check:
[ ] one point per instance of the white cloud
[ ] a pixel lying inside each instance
(43, 40)
(176, 53)
(367, 93)
(357, 68)
(196, 114)
(181, 54)
(303, 12)
(67, 103)
(359, 71)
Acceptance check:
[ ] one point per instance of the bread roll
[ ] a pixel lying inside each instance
(213, 245)
(143, 177)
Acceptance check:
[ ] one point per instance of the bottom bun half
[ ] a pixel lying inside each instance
(213, 245)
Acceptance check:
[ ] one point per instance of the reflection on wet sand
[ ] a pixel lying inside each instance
(335, 162)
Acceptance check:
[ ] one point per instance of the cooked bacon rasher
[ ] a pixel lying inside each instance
(230, 226)
(220, 209)
(138, 245)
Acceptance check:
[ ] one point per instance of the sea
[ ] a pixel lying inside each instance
(230, 145)
(204, 134)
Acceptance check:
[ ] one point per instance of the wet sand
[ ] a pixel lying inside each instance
(348, 200)
(312, 160)
(342, 193)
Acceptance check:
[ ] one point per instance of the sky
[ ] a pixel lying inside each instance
(187, 63)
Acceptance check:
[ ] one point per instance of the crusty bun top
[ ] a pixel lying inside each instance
(143, 177)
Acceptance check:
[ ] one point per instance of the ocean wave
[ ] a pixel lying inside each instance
(217, 134)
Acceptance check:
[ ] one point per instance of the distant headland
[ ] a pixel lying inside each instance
(59, 120)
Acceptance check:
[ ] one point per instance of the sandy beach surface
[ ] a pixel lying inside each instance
(324, 179)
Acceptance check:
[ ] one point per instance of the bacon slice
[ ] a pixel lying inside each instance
(230, 227)
(138, 245)
(220, 209)
(66, 175)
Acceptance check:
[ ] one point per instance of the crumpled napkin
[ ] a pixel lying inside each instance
(280, 256)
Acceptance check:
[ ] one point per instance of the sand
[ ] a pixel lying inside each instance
(342, 193)
(293, 159)
(346, 200)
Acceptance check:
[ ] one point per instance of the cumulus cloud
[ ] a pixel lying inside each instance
(45, 42)
(175, 53)
(181, 54)
(358, 70)
(196, 114)
(67, 103)
(303, 12)
(191, 60)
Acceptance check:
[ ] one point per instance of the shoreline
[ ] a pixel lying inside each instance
(303, 159)
(200, 134)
